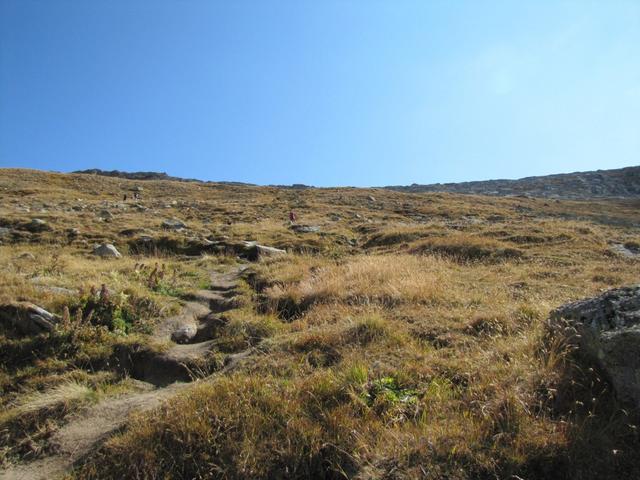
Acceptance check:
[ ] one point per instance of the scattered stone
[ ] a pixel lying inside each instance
(106, 214)
(73, 232)
(57, 290)
(254, 251)
(106, 250)
(26, 318)
(26, 256)
(305, 228)
(37, 225)
(371, 198)
(131, 232)
(4, 232)
(628, 250)
(606, 329)
(173, 224)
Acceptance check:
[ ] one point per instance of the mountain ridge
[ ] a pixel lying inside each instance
(612, 183)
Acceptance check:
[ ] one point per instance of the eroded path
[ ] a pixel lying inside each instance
(161, 376)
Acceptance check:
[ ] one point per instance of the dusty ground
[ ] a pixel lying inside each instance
(404, 337)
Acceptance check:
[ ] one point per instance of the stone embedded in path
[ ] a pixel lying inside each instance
(607, 330)
(106, 250)
(185, 333)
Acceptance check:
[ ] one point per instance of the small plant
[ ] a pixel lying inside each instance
(104, 308)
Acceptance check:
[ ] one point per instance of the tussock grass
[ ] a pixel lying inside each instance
(365, 280)
(65, 394)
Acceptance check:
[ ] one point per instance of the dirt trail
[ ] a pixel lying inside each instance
(88, 429)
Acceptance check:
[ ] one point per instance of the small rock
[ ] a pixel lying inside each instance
(628, 250)
(254, 251)
(37, 225)
(305, 228)
(27, 256)
(4, 232)
(130, 232)
(106, 250)
(106, 214)
(371, 198)
(184, 333)
(173, 224)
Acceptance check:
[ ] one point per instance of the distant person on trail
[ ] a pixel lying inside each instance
(124, 199)
(293, 218)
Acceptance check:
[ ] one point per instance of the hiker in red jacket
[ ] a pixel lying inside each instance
(293, 217)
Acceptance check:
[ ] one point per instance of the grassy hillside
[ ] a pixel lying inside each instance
(404, 339)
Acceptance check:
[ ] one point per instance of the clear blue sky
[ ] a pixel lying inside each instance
(321, 92)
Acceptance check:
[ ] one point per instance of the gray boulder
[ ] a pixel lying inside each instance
(606, 329)
(106, 250)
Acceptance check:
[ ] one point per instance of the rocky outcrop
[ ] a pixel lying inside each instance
(606, 329)
(26, 318)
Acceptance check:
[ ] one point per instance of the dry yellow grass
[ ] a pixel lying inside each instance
(405, 339)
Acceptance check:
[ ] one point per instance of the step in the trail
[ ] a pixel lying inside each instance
(214, 300)
(156, 368)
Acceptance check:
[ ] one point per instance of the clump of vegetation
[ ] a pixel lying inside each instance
(466, 248)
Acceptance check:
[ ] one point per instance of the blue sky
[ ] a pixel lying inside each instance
(324, 93)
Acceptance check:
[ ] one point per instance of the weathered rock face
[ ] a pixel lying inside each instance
(106, 250)
(27, 318)
(607, 330)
